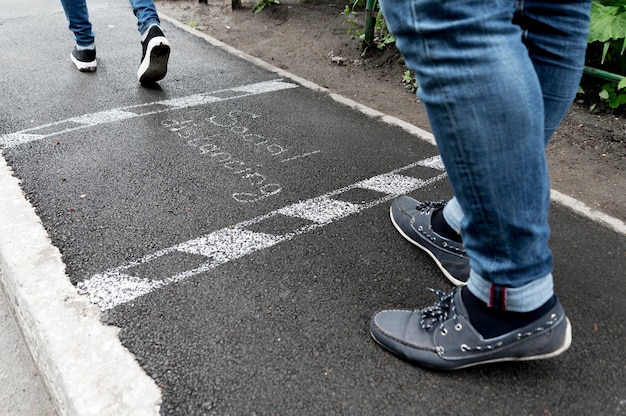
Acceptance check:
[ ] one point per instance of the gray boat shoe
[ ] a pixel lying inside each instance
(442, 337)
(412, 219)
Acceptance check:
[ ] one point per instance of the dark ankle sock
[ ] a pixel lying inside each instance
(490, 322)
(440, 226)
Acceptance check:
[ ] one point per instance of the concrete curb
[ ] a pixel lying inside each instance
(82, 362)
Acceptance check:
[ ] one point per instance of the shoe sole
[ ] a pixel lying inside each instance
(566, 344)
(153, 68)
(456, 282)
(84, 66)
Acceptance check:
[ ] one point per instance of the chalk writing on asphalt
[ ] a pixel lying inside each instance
(137, 278)
(231, 144)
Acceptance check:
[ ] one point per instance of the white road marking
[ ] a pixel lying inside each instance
(120, 285)
(322, 210)
(140, 110)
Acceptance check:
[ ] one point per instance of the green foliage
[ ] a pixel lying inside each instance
(194, 25)
(607, 44)
(262, 4)
(354, 26)
(612, 95)
(607, 34)
(409, 81)
(608, 25)
(382, 36)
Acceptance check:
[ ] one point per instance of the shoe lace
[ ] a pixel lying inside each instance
(427, 205)
(438, 313)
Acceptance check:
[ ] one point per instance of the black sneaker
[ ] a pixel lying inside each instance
(442, 337)
(85, 60)
(156, 52)
(412, 219)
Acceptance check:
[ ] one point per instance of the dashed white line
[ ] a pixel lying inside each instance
(124, 283)
(124, 113)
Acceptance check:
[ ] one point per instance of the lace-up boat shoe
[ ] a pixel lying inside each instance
(442, 337)
(156, 53)
(84, 59)
(413, 220)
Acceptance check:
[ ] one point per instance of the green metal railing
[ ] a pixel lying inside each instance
(609, 76)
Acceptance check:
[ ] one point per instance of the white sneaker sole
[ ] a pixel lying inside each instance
(84, 66)
(154, 65)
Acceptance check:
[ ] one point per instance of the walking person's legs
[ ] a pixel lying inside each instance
(156, 48)
(84, 53)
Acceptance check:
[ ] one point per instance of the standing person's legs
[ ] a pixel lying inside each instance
(485, 103)
(84, 54)
(547, 31)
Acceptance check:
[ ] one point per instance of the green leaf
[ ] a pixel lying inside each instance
(604, 94)
(607, 22)
(604, 51)
(622, 84)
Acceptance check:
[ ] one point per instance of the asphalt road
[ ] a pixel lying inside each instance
(230, 230)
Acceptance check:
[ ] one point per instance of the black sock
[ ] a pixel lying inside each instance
(490, 322)
(440, 226)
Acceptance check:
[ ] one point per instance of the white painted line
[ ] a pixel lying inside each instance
(103, 117)
(119, 285)
(83, 364)
(190, 101)
(263, 87)
(392, 183)
(15, 139)
(123, 113)
(434, 162)
(322, 210)
(228, 244)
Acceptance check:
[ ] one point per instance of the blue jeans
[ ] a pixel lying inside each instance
(496, 77)
(78, 17)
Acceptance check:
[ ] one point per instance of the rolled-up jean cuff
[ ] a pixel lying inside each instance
(519, 299)
(453, 214)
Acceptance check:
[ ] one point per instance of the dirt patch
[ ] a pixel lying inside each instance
(587, 155)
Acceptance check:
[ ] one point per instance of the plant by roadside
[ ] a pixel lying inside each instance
(262, 4)
(614, 95)
(194, 25)
(409, 81)
(607, 43)
(382, 38)
(354, 26)
(608, 28)
(606, 51)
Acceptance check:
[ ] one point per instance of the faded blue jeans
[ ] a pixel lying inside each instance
(78, 17)
(496, 77)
